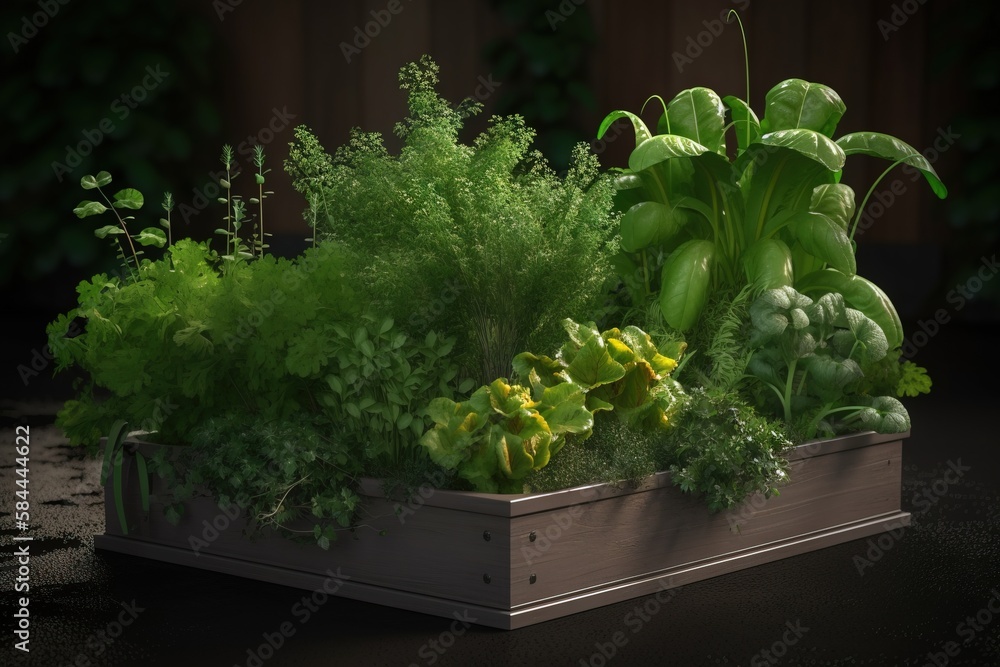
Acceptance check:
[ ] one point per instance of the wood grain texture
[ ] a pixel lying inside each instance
(431, 551)
(292, 55)
(659, 585)
(520, 559)
(640, 533)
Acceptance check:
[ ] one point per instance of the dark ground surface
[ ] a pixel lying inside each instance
(904, 610)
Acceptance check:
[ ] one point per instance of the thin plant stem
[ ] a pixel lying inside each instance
(746, 61)
(871, 190)
(121, 221)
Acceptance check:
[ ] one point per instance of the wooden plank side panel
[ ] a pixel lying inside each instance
(432, 551)
(578, 552)
(827, 489)
(340, 586)
(662, 581)
(633, 535)
(520, 504)
(507, 619)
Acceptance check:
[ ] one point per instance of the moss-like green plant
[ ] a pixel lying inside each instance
(616, 453)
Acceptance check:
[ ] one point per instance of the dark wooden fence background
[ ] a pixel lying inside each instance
(289, 55)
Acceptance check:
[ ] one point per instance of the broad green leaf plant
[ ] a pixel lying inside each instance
(504, 431)
(702, 216)
(621, 371)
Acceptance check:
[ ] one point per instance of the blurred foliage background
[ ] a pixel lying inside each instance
(62, 90)
(562, 64)
(544, 65)
(966, 50)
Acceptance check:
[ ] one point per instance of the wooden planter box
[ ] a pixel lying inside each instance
(510, 561)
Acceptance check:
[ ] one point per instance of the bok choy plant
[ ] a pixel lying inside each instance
(700, 218)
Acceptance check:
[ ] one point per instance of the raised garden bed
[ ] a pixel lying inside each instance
(514, 560)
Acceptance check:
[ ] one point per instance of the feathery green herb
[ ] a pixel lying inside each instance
(483, 242)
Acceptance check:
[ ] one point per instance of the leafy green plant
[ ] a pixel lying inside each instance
(270, 367)
(199, 331)
(482, 242)
(285, 474)
(700, 218)
(208, 342)
(503, 432)
(723, 450)
(810, 354)
(127, 198)
(380, 384)
(913, 380)
(621, 371)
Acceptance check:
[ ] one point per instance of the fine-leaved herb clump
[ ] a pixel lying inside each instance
(724, 327)
(183, 341)
(482, 241)
(723, 450)
(285, 474)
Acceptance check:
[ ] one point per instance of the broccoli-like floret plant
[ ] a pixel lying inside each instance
(810, 355)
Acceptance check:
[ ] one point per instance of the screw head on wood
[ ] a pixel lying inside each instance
(486, 535)
(487, 578)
